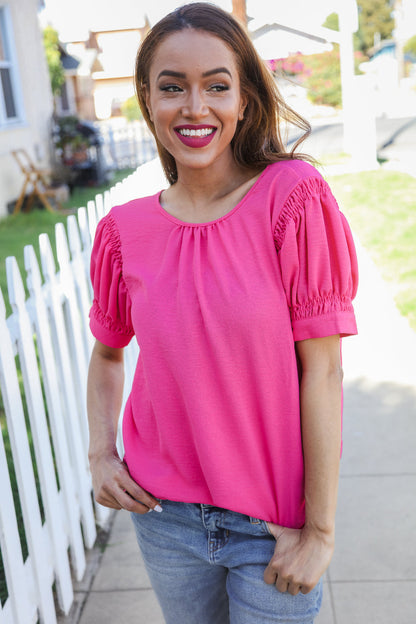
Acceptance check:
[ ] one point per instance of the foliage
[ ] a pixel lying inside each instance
(53, 58)
(410, 46)
(130, 109)
(319, 73)
(374, 18)
(323, 79)
(67, 132)
(332, 21)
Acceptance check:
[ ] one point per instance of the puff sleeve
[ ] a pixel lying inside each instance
(110, 314)
(317, 261)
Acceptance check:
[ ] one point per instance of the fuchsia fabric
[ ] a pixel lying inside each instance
(213, 415)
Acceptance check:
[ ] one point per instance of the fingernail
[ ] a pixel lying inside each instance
(158, 508)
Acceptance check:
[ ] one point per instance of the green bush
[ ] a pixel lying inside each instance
(410, 46)
(130, 109)
(319, 73)
(53, 58)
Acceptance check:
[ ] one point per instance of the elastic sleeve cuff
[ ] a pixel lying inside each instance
(330, 324)
(116, 340)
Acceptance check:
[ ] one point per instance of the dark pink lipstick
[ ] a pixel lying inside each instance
(195, 135)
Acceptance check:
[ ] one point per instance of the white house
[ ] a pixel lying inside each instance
(26, 103)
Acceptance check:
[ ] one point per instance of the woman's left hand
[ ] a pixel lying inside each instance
(300, 558)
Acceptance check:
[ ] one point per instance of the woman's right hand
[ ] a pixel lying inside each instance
(112, 483)
(114, 487)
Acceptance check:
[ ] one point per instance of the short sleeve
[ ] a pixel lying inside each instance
(110, 314)
(318, 262)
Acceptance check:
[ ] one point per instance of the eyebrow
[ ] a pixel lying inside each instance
(211, 72)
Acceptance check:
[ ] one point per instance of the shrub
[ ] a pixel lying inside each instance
(319, 73)
(130, 109)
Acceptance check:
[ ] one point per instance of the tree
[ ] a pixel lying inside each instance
(410, 46)
(375, 21)
(332, 21)
(53, 58)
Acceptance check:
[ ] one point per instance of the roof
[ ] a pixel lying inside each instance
(69, 62)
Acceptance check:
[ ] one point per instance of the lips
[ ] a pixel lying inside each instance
(195, 136)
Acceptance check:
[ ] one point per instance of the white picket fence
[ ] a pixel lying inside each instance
(44, 351)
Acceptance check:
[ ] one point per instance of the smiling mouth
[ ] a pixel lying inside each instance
(200, 132)
(195, 136)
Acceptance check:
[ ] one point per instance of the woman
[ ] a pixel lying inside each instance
(237, 281)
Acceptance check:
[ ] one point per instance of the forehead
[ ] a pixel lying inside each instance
(192, 51)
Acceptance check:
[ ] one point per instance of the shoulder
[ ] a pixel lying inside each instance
(297, 188)
(288, 174)
(138, 208)
(287, 185)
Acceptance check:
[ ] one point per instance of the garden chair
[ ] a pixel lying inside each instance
(36, 181)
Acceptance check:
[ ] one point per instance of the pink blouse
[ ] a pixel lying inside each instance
(213, 415)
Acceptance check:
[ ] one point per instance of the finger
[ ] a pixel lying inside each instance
(115, 496)
(305, 589)
(107, 501)
(141, 496)
(269, 575)
(293, 589)
(130, 504)
(281, 584)
(275, 529)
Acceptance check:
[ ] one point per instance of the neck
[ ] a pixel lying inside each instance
(201, 186)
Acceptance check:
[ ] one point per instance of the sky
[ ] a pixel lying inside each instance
(74, 18)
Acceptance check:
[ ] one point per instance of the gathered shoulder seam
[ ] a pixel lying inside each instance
(295, 204)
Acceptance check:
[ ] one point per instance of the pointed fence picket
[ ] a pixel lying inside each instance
(45, 347)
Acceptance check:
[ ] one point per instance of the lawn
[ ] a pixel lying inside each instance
(381, 208)
(22, 229)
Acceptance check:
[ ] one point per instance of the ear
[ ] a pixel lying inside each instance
(243, 106)
(147, 98)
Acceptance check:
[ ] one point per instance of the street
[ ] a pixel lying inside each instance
(396, 139)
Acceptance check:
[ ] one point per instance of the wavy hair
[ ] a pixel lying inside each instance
(260, 137)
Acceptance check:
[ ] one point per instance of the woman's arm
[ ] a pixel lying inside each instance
(302, 555)
(112, 483)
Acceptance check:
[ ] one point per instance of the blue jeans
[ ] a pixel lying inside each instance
(206, 566)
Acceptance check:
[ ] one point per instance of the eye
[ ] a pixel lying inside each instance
(170, 88)
(218, 87)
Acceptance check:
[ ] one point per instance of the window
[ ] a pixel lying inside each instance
(9, 108)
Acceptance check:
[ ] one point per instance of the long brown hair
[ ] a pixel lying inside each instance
(258, 139)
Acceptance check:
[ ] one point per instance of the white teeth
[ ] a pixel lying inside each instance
(203, 132)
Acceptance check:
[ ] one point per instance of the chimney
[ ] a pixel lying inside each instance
(240, 12)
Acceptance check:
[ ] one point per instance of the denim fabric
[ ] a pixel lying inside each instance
(206, 566)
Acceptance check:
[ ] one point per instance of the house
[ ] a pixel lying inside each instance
(77, 92)
(26, 103)
(107, 64)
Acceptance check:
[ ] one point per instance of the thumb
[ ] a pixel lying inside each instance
(276, 530)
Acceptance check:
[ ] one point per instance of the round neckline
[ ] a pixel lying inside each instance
(228, 214)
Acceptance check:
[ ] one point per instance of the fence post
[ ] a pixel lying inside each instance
(53, 400)
(38, 545)
(76, 425)
(40, 436)
(18, 605)
(82, 282)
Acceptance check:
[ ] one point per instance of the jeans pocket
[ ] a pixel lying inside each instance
(267, 528)
(261, 524)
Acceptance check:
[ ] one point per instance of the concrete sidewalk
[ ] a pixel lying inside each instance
(372, 578)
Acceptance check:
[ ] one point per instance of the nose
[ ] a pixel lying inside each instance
(195, 106)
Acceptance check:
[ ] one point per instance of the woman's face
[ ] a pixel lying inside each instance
(194, 98)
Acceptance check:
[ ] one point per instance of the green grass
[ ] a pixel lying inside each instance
(381, 208)
(22, 229)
